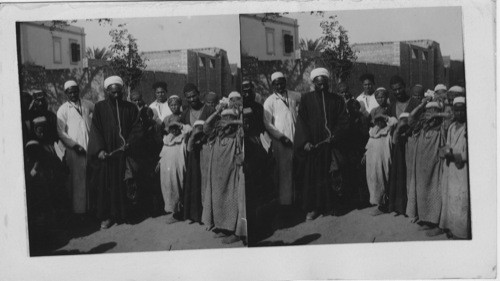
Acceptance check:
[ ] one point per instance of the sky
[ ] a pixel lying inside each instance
(442, 24)
(171, 33)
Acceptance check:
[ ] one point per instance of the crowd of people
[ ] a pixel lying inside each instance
(402, 151)
(216, 161)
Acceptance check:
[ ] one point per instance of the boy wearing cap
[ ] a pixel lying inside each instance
(172, 166)
(73, 126)
(455, 212)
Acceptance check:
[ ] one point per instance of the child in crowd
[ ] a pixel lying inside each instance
(382, 97)
(172, 165)
(175, 105)
(378, 159)
(46, 195)
(224, 200)
(455, 211)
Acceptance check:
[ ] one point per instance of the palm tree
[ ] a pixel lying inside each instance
(312, 45)
(98, 53)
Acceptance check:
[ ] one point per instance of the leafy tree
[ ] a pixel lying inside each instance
(126, 60)
(337, 54)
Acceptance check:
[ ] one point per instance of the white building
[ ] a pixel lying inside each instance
(52, 48)
(269, 38)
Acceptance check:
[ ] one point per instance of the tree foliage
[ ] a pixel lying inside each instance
(126, 61)
(97, 53)
(337, 54)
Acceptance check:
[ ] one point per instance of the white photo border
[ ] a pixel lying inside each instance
(397, 260)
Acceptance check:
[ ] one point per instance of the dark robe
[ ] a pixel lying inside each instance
(107, 177)
(397, 194)
(314, 168)
(258, 175)
(192, 202)
(192, 197)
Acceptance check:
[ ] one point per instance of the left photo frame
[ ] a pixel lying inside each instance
(125, 149)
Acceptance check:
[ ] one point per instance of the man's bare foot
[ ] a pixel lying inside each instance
(376, 212)
(312, 215)
(425, 227)
(106, 224)
(170, 219)
(231, 239)
(434, 232)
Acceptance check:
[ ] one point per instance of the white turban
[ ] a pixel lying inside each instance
(433, 104)
(112, 80)
(456, 89)
(440, 87)
(459, 100)
(404, 115)
(198, 122)
(380, 89)
(69, 84)
(319, 72)
(277, 75)
(39, 120)
(234, 94)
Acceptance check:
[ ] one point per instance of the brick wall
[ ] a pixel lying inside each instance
(378, 53)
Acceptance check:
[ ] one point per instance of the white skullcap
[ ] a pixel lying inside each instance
(229, 111)
(234, 94)
(32, 142)
(404, 115)
(440, 87)
(380, 89)
(429, 93)
(319, 72)
(198, 122)
(173, 97)
(432, 104)
(69, 84)
(459, 100)
(456, 89)
(112, 80)
(277, 75)
(40, 119)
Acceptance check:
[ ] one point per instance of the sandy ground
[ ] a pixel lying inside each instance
(152, 234)
(358, 226)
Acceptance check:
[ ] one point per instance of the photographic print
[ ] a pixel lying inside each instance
(248, 140)
(367, 129)
(123, 142)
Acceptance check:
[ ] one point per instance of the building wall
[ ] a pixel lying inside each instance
(382, 73)
(379, 53)
(175, 83)
(254, 37)
(416, 67)
(37, 45)
(174, 61)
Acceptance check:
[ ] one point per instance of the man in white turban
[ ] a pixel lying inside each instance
(280, 116)
(321, 124)
(74, 119)
(114, 132)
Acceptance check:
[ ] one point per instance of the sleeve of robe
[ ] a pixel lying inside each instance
(62, 120)
(269, 119)
(96, 138)
(302, 132)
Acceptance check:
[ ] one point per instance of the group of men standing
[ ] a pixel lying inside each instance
(312, 150)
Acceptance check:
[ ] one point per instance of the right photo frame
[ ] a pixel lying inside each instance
(363, 136)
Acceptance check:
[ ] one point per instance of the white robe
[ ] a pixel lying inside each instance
(173, 169)
(160, 111)
(455, 211)
(73, 129)
(279, 120)
(378, 161)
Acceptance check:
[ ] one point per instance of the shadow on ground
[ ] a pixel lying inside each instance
(103, 248)
(301, 241)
